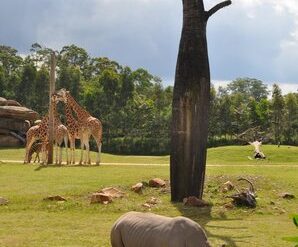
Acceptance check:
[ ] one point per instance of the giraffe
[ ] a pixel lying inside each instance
(60, 134)
(88, 125)
(37, 132)
(73, 130)
(41, 132)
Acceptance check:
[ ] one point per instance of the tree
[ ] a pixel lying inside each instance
(9, 59)
(291, 118)
(26, 89)
(248, 87)
(277, 112)
(191, 103)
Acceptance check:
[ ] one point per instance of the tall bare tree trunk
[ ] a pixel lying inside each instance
(191, 103)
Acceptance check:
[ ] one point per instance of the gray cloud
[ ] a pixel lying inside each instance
(249, 38)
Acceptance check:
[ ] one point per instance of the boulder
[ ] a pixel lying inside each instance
(2, 101)
(11, 102)
(157, 182)
(112, 192)
(137, 187)
(17, 112)
(101, 198)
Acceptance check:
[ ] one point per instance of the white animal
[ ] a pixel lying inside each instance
(257, 146)
(135, 229)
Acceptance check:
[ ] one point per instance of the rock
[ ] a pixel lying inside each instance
(157, 182)
(146, 205)
(9, 141)
(55, 198)
(137, 187)
(195, 202)
(17, 112)
(101, 198)
(153, 201)
(14, 124)
(2, 101)
(287, 195)
(112, 192)
(11, 102)
(3, 201)
(227, 186)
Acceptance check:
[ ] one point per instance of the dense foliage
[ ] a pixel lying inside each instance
(135, 107)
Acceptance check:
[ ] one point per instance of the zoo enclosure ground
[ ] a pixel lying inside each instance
(29, 221)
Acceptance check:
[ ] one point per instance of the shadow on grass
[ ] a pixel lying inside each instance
(203, 216)
(40, 167)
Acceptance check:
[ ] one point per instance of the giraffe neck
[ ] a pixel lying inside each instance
(44, 125)
(81, 113)
(69, 117)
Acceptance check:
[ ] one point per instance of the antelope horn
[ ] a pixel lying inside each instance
(252, 189)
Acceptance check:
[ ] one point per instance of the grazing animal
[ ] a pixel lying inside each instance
(37, 132)
(135, 229)
(35, 148)
(88, 125)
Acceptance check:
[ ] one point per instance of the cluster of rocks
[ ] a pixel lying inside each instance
(15, 120)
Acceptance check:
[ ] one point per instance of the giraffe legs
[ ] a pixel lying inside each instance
(36, 158)
(66, 148)
(56, 152)
(44, 159)
(99, 144)
(30, 141)
(85, 143)
(72, 150)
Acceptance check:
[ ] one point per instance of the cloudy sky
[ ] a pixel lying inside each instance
(250, 38)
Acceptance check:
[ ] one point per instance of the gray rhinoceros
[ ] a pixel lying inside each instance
(135, 229)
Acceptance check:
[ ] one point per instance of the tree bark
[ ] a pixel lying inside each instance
(191, 104)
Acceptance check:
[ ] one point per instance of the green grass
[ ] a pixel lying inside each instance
(28, 220)
(229, 155)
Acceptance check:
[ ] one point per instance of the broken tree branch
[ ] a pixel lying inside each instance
(217, 7)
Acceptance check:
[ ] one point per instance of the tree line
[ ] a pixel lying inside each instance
(133, 105)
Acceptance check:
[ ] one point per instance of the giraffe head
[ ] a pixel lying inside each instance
(61, 95)
(55, 98)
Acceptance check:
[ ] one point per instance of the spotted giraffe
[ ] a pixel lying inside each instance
(88, 125)
(37, 132)
(60, 134)
(73, 130)
(41, 132)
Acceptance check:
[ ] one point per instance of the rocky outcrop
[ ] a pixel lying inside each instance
(14, 122)
(18, 112)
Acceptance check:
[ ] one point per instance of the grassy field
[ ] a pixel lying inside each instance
(229, 155)
(28, 220)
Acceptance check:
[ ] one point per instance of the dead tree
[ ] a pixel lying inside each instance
(191, 103)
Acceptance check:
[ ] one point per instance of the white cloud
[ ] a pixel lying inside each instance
(250, 38)
(285, 87)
